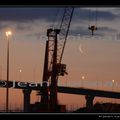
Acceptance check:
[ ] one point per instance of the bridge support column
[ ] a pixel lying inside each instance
(26, 103)
(89, 101)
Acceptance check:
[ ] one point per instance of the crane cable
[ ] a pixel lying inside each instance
(96, 17)
(89, 18)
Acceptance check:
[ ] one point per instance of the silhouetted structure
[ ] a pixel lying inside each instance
(101, 108)
(27, 93)
(89, 94)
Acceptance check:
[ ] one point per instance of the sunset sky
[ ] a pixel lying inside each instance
(96, 58)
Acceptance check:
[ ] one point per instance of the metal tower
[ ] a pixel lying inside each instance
(53, 68)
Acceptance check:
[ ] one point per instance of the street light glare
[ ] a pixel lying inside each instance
(113, 81)
(8, 33)
(83, 77)
(20, 70)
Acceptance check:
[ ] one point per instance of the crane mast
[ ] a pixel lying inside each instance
(53, 68)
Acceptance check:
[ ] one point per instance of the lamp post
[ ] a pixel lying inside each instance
(8, 33)
(113, 81)
(83, 77)
(20, 71)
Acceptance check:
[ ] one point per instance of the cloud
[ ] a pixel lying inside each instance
(2, 26)
(49, 14)
(25, 19)
(15, 25)
(82, 30)
(23, 27)
(106, 29)
(36, 35)
(86, 14)
(26, 14)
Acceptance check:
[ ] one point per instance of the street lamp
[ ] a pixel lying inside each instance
(83, 77)
(20, 71)
(8, 33)
(113, 81)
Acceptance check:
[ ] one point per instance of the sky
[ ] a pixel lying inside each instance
(94, 57)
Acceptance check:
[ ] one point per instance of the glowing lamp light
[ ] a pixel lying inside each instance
(20, 70)
(83, 77)
(8, 33)
(113, 81)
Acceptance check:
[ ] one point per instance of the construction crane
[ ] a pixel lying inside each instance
(53, 68)
(92, 28)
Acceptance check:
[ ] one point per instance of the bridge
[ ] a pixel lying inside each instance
(89, 93)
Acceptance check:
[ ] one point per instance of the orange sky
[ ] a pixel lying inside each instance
(95, 59)
(99, 62)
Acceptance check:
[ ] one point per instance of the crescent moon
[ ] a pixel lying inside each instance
(80, 48)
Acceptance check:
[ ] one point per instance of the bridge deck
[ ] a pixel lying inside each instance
(61, 89)
(85, 91)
